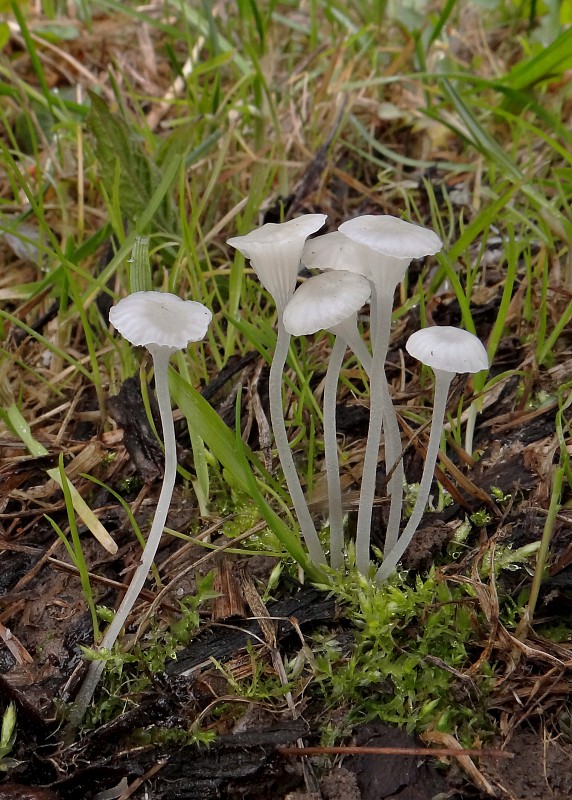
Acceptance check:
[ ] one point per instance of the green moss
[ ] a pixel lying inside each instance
(408, 663)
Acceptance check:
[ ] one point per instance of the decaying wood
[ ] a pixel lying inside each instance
(307, 606)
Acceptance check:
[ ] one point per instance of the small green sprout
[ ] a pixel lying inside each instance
(129, 484)
(104, 613)
(7, 738)
(499, 496)
(480, 518)
(505, 558)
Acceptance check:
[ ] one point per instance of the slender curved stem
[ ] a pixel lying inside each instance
(384, 301)
(347, 335)
(307, 527)
(161, 365)
(348, 330)
(392, 459)
(392, 442)
(442, 382)
(373, 316)
(336, 513)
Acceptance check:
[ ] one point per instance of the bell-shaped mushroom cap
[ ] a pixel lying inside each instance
(392, 236)
(274, 251)
(324, 301)
(448, 349)
(160, 319)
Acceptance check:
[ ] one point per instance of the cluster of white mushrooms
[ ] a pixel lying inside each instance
(364, 260)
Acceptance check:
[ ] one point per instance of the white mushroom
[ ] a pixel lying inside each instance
(274, 251)
(392, 236)
(163, 323)
(334, 251)
(448, 351)
(387, 247)
(330, 301)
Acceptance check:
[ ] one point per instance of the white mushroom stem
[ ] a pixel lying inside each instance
(161, 368)
(347, 335)
(381, 411)
(161, 357)
(335, 509)
(330, 301)
(349, 332)
(392, 437)
(307, 527)
(393, 466)
(442, 382)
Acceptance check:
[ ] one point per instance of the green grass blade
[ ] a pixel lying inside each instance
(550, 62)
(203, 418)
(140, 279)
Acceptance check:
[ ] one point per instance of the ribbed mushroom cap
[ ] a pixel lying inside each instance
(392, 236)
(274, 251)
(324, 301)
(160, 319)
(448, 349)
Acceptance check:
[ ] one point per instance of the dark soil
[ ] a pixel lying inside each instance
(542, 766)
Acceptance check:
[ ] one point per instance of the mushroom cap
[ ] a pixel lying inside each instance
(392, 236)
(160, 319)
(448, 349)
(274, 251)
(331, 251)
(277, 232)
(339, 252)
(324, 301)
